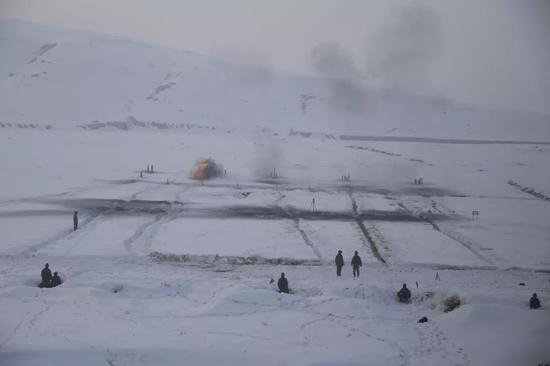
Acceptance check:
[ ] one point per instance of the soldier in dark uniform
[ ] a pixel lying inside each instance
(356, 263)
(46, 276)
(283, 284)
(56, 280)
(404, 294)
(339, 260)
(534, 302)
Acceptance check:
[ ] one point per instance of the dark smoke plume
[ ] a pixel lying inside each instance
(334, 64)
(401, 53)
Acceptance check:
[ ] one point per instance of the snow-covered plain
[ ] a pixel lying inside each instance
(164, 270)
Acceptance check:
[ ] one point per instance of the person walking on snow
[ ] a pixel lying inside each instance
(339, 261)
(75, 220)
(46, 277)
(356, 263)
(283, 284)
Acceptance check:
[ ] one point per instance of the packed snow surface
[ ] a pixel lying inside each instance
(164, 270)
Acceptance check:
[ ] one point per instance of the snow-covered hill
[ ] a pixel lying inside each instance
(63, 78)
(166, 270)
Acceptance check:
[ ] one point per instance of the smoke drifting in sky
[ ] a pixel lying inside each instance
(332, 62)
(491, 53)
(401, 53)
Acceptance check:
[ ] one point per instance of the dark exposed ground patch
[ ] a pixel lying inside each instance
(41, 212)
(233, 260)
(282, 185)
(438, 140)
(133, 207)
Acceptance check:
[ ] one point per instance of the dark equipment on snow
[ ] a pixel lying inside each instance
(422, 320)
(75, 220)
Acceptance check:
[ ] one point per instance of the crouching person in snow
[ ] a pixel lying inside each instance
(283, 284)
(404, 294)
(46, 277)
(534, 302)
(56, 280)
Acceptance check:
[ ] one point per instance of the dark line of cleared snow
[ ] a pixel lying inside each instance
(434, 140)
(363, 228)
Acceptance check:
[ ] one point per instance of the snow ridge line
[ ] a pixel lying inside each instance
(363, 228)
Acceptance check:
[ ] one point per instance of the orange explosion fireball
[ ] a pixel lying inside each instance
(205, 169)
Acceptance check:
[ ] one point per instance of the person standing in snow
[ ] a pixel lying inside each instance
(46, 277)
(534, 302)
(56, 280)
(356, 263)
(404, 294)
(75, 220)
(283, 284)
(339, 261)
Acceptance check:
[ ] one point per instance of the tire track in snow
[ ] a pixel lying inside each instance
(151, 231)
(135, 195)
(466, 244)
(128, 243)
(307, 241)
(83, 231)
(363, 228)
(65, 234)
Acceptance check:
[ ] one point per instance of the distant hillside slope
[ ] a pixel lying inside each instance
(66, 78)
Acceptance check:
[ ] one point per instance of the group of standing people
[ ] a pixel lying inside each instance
(356, 263)
(48, 280)
(404, 295)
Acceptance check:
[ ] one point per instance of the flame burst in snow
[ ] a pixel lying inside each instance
(205, 169)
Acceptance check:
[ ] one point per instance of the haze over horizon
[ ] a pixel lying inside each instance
(493, 54)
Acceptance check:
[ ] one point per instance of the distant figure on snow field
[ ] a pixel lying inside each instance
(75, 220)
(56, 280)
(356, 263)
(534, 302)
(339, 261)
(46, 277)
(404, 294)
(283, 284)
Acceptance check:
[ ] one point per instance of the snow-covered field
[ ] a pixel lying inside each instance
(164, 270)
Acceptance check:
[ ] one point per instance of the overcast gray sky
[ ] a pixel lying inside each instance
(493, 52)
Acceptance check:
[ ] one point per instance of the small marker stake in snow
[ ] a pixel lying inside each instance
(437, 278)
